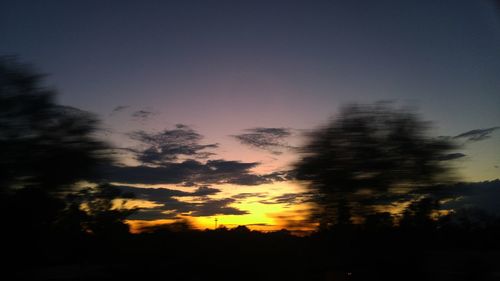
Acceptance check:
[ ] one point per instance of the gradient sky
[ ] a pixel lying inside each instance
(222, 67)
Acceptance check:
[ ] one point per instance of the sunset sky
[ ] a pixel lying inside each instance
(225, 90)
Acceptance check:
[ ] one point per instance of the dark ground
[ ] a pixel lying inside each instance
(343, 254)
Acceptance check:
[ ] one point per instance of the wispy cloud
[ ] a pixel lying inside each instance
(452, 156)
(118, 109)
(477, 134)
(143, 115)
(246, 195)
(159, 195)
(289, 198)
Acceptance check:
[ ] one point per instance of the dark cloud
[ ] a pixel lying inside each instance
(119, 109)
(172, 208)
(142, 114)
(452, 156)
(169, 145)
(205, 191)
(269, 139)
(160, 195)
(190, 172)
(480, 195)
(216, 207)
(152, 194)
(246, 195)
(280, 176)
(289, 199)
(153, 214)
(478, 134)
(174, 157)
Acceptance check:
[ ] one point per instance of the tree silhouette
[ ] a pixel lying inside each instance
(42, 143)
(367, 153)
(97, 212)
(46, 149)
(418, 215)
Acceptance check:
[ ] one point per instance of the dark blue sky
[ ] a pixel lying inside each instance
(224, 66)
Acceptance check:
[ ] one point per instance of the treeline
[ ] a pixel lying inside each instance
(446, 249)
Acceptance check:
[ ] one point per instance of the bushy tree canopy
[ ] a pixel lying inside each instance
(367, 151)
(42, 143)
(45, 150)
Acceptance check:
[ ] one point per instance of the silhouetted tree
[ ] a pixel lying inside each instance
(418, 215)
(365, 153)
(241, 229)
(42, 144)
(45, 150)
(378, 221)
(98, 212)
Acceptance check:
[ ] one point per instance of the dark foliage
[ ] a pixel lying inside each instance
(42, 143)
(364, 154)
(45, 150)
(445, 249)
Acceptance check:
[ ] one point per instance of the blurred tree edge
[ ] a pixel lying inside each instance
(369, 155)
(45, 150)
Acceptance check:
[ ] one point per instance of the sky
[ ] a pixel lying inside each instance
(241, 81)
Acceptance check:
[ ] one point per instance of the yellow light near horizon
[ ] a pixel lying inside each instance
(258, 215)
(261, 216)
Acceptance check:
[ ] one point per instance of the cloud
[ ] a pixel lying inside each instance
(160, 195)
(205, 191)
(289, 198)
(478, 134)
(189, 172)
(452, 156)
(153, 214)
(478, 195)
(177, 157)
(173, 208)
(269, 139)
(118, 109)
(279, 176)
(481, 195)
(152, 194)
(246, 195)
(216, 207)
(168, 145)
(142, 114)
